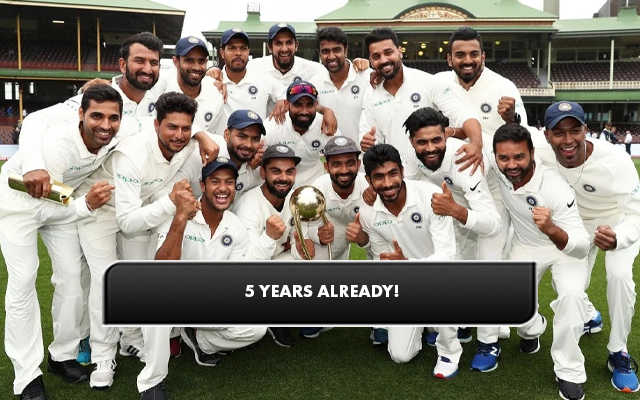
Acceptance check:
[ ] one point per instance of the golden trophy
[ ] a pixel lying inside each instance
(60, 193)
(307, 204)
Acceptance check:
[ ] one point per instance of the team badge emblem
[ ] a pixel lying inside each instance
(227, 240)
(416, 217)
(208, 116)
(282, 149)
(297, 79)
(449, 181)
(355, 89)
(253, 90)
(291, 222)
(315, 144)
(252, 115)
(532, 201)
(340, 141)
(282, 25)
(239, 186)
(588, 188)
(564, 107)
(415, 97)
(152, 106)
(236, 30)
(485, 108)
(193, 39)
(356, 209)
(222, 159)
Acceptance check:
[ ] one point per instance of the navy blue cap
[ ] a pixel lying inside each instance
(280, 151)
(232, 33)
(186, 44)
(240, 119)
(220, 162)
(561, 110)
(275, 29)
(301, 89)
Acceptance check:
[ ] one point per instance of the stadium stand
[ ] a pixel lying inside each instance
(595, 71)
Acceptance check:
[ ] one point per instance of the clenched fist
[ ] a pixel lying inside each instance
(177, 187)
(542, 218)
(186, 204)
(325, 234)
(275, 227)
(99, 194)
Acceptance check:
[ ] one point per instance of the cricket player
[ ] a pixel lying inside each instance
(387, 106)
(224, 237)
(402, 225)
(547, 229)
(302, 131)
(74, 151)
(607, 189)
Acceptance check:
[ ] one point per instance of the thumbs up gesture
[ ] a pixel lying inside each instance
(355, 234)
(396, 255)
(369, 139)
(444, 204)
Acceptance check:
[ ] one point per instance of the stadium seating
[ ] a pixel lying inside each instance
(595, 71)
(109, 57)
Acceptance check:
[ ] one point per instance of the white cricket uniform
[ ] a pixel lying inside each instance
(345, 102)
(230, 242)
(568, 267)
(607, 192)
(340, 212)
(302, 69)
(308, 146)
(68, 161)
(254, 209)
(388, 113)
(422, 235)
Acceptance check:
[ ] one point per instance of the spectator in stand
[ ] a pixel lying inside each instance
(613, 138)
(606, 132)
(2, 112)
(627, 142)
(15, 134)
(9, 111)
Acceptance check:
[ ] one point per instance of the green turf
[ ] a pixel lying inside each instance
(342, 364)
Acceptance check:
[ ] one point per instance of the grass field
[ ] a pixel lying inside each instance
(342, 364)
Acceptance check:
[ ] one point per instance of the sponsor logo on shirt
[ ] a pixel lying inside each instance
(333, 209)
(127, 112)
(383, 223)
(157, 180)
(588, 188)
(287, 144)
(325, 91)
(226, 240)
(571, 204)
(475, 187)
(194, 238)
(635, 191)
(208, 116)
(127, 179)
(382, 102)
(76, 168)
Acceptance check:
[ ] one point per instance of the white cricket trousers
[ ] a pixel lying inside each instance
(213, 340)
(406, 342)
(621, 289)
(569, 276)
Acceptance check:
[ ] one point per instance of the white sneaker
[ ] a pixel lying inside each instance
(102, 376)
(132, 350)
(505, 332)
(445, 368)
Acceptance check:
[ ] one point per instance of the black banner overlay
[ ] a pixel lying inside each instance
(323, 293)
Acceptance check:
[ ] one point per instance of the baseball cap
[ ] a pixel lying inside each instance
(220, 162)
(301, 89)
(186, 44)
(280, 151)
(340, 145)
(275, 29)
(240, 119)
(231, 33)
(560, 110)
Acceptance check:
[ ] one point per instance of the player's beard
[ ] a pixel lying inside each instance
(343, 184)
(131, 78)
(94, 136)
(235, 67)
(188, 80)
(521, 175)
(285, 66)
(394, 71)
(467, 78)
(432, 165)
(281, 194)
(336, 68)
(302, 123)
(394, 197)
(234, 153)
(174, 145)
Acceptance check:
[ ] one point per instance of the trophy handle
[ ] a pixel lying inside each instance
(298, 226)
(326, 222)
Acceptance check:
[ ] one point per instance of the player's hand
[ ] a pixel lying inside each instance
(38, 183)
(325, 234)
(507, 109)
(369, 196)
(605, 238)
(368, 140)
(93, 82)
(256, 160)
(99, 194)
(177, 187)
(209, 149)
(374, 79)
(310, 247)
(186, 204)
(443, 203)
(280, 111)
(472, 157)
(396, 255)
(329, 122)
(360, 64)
(355, 233)
(542, 218)
(275, 227)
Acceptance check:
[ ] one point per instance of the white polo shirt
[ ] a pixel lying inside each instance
(230, 241)
(345, 102)
(146, 107)
(470, 191)
(308, 146)
(302, 69)
(420, 233)
(546, 189)
(340, 212)
(607, 186)
(253, 209)
(419, 89)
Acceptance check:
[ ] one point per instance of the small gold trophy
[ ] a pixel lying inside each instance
(60, 193)
(307, 204)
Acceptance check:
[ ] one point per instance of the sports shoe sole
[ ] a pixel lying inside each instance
(315, 335)
(193, 346)
(440, 376)
(531, 352)
(81, 379)
(562, 396)
(374, 341)
(101, 387)
(276, 340)
(592, 330)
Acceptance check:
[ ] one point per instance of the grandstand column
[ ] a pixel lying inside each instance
(98, 42)
(154, 27)
(611, 64)
(538, 63)
(264, 49)
(79, 55)
(549, 65)
(19, 47)
(20, 106)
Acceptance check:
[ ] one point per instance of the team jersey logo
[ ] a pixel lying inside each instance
(253, 90)
(239, 186)
(416, 217)
(356, 209)
(152, 106)
(485, 108)
(564, 106)
(297, 79)
(208, 116)
(315, 144)
(588, 188)
(227, 240)
(449, 181)
(532, 201)
(355, 89)
(340, 141)
(415, 97)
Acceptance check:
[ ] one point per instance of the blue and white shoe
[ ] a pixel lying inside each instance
(624, 376)
(594, 325)
(430, 339)
(312, 333)
(379, 336)
(445, 368)
(486, 358)
(84, 352)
